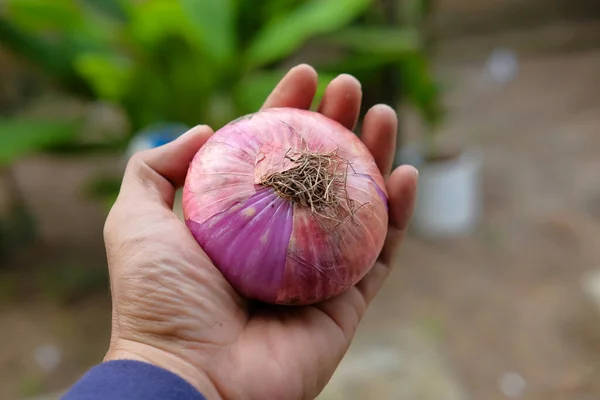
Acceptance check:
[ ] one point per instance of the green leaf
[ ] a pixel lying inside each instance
(112, 8)
(215, 22)
(275, 9)
(40, 15)
(414, 12)
(108, 74)
(421, 88)
(156, 20)
(377, 40)
(51, 56)
(357, 64)
(253, 90)
(51, 33)
(283, 35)
(100, 32)
(21, 137)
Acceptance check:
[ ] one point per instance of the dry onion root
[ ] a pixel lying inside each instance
(288, 204)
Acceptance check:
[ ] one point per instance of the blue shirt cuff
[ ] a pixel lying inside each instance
(131, 380)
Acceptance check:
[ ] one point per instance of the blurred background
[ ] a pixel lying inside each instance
(496, 291)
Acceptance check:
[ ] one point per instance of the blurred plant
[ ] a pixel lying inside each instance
(20, 137)
(395, 76)
(419, 82)
(188, 61)
(209, 61)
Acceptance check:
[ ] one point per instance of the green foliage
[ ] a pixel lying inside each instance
(215, 23)
(283, 34)
(420, 88)
(107, 74)
(414, 12)
(188, 60)
(377, 41)
(21, 137)
(203, 61)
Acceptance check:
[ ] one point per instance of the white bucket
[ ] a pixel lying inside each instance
(449, 199)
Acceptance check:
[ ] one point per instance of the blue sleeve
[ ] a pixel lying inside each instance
(131, 380)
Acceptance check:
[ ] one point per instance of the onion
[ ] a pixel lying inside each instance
(288, 204)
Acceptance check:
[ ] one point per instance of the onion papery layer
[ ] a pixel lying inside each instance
(271, 248)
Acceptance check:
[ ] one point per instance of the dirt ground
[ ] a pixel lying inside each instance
(505, 300)
(509, 299)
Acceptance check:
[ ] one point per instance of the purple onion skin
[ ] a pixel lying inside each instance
(245, 229)
(268, 248)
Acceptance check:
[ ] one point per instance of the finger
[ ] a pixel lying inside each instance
(379, 132)
(155, 174)
(296, 89)
(402, 189)
(341, 101)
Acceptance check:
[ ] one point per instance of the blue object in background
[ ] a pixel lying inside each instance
(155, 136)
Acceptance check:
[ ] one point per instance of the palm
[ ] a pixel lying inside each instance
(264, 344)
(173, 297)
(291, 357)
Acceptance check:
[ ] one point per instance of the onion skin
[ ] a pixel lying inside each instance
(268, 248)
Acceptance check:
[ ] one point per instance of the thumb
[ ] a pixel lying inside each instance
(154, 175)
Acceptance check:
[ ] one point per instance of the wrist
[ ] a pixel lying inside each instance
(130, 350)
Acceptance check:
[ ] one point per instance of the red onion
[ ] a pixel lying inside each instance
(288, 204)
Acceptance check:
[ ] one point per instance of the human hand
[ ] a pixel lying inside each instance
(173, 308)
